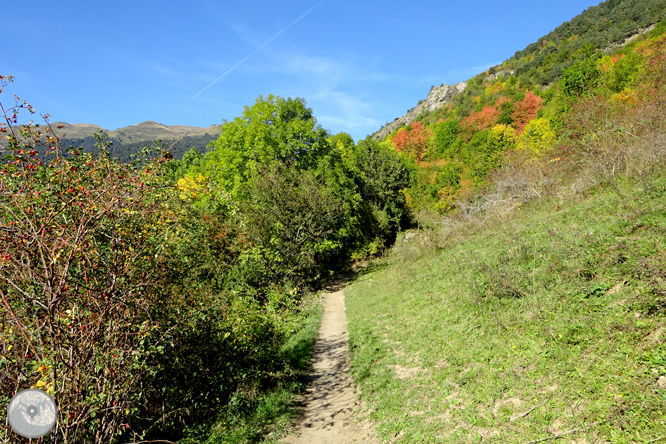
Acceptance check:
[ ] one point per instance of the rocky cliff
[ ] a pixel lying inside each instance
(437, 97)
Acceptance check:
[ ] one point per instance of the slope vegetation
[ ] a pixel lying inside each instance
(522, 105)
(557, 307)
(534, 308)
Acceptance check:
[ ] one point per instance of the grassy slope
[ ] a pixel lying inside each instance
(560, 307)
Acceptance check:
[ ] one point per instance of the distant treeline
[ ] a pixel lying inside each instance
(126, 152)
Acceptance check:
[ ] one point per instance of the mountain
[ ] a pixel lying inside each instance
(460, 135)
(437, 97)
(127, 142)
(147, 131)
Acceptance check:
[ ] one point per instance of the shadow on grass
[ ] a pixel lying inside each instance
(353, 273)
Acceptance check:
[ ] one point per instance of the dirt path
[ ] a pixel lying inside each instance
(327, 415)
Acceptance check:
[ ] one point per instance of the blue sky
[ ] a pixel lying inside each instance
(358, 64)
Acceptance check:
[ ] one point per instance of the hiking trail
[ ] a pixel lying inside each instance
(329, 413)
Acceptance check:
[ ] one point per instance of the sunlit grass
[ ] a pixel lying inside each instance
(556, 308)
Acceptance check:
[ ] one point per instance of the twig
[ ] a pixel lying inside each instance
(530, 410)
(657, 439)
(568, 432)
(18, 324)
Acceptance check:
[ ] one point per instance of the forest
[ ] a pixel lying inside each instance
(120, 274)
(127, 152)
(144, 295)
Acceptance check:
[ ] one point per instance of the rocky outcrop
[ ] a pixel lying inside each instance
(437, 97)
(494, 76)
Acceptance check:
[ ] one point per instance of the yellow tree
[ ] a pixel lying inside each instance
(538, 137)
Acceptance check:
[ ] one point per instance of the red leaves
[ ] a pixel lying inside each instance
(412, 140)
(525, 111)
(480, 120)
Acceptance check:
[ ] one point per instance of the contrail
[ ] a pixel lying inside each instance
(259, 48)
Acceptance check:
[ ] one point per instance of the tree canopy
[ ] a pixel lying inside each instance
(274, 129)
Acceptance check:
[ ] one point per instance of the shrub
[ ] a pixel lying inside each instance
(538, 137)
(115, 294)
(412, 140)
(580, 79)
(80, 276)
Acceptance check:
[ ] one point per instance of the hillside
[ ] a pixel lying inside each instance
(456, 148)
(128, 151)
(437, 98)
(530, 304)
(549, 321)
(607, 27)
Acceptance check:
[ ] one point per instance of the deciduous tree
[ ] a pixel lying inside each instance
(413, 140)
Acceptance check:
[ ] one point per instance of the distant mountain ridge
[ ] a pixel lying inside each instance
(128, 142)
(147, 131)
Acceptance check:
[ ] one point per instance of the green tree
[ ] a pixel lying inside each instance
(446, 134)
(382, 177)
(580, 79)
(297, 221)
(274, 129)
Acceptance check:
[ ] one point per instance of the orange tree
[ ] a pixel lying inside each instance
(413, 140)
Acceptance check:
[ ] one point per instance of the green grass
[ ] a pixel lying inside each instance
(562, 308)
(265, 417)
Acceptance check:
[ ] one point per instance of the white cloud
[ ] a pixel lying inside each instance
(336, 88)
(344, 90)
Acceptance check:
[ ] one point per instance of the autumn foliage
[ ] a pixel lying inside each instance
(480, 120)
(526, 110)
(413, 140)
(76, 291)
